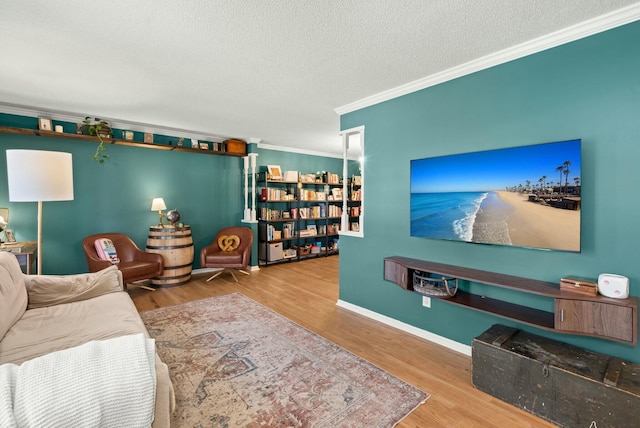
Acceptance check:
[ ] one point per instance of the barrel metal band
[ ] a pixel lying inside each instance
(168, 247)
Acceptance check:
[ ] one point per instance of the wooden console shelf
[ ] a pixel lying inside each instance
(597, 316)
(80, 137)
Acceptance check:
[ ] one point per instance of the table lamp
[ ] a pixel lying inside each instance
(158, 205)
(37, 176)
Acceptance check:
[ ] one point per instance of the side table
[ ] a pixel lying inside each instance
(175, 244)
(25, 252)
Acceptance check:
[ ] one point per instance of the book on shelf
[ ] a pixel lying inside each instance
(288, 230)
(333, 178)
(335, 211)
(269, 214)
(275, 194)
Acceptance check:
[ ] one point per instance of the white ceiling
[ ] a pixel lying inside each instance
(273, 70)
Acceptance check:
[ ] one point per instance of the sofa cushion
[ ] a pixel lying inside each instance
(52, 290)
(53, 328)
(13, 294)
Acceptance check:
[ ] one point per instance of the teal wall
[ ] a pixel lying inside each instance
(116, 196)
(588, 89)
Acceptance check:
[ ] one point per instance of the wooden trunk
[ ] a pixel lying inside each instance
(561, 383)
(236, 146)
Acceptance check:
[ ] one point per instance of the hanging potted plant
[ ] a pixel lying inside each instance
(97, 128)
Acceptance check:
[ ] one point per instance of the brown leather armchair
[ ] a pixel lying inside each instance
(134, 264)
(236, 256)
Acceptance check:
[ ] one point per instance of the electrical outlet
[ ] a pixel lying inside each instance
(426, 301)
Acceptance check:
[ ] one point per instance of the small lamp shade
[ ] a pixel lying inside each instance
(38, 175)
(158, 204)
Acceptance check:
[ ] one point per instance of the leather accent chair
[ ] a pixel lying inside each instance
(134, 264)
(214, 256)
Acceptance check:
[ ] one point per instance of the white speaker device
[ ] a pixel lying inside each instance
(611, 285)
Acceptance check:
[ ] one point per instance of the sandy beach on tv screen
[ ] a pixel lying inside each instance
(535, 225)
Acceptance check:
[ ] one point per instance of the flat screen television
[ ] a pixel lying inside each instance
(525, 196)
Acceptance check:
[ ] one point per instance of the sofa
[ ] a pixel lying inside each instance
(50, 322)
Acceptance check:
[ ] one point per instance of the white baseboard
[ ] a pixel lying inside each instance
(424, 334)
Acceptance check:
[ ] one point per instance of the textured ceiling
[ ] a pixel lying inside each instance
(271, 70)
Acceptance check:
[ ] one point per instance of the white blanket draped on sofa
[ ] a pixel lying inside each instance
(107, 383)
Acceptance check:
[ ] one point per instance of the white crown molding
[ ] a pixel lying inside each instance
(584, 29)
(64, 116)
(424, 334)
(300, 151)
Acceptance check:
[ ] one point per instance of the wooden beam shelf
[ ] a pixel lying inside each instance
(597, 316)
(91, 139)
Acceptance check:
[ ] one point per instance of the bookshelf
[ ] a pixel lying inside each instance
(354, 203)
(298, 217)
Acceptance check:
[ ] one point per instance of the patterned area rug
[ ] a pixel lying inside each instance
(236, 363)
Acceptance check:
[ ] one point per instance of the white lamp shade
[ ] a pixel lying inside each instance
(38, 175)
(158, 204)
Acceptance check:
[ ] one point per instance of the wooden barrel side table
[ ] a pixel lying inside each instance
(175, 244)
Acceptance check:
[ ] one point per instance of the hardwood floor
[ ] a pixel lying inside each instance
(307, 292)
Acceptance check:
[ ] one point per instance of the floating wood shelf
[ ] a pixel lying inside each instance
(91, 139)
(597, 316)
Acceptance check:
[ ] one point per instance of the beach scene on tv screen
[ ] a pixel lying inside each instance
(526, 196)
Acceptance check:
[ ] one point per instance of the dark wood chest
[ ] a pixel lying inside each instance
(564, 384)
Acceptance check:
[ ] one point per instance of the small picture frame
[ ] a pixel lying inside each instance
(44, 124)
(204, 146)
(148, 137)
(194, 143)
(275, 173)
(8, 233)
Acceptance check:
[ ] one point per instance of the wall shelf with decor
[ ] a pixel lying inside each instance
(298, 217)
(597, 316)
(239, 150)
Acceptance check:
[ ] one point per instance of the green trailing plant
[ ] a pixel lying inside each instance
(97, 128)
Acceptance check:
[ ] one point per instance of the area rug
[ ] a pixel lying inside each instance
(235, 363)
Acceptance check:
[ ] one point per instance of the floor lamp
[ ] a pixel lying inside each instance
(37, 176)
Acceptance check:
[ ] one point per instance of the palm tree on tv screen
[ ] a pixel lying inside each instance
(566, 164)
